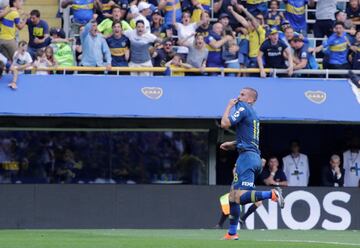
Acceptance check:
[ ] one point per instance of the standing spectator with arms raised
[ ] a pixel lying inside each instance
(38, 33)
(296, 166)
(119, 46)
(95, 50)
(8, 25)
(198, 53)
(274, 52)
(255, 31)
(215, 42)
(140, 42)
(336, 48)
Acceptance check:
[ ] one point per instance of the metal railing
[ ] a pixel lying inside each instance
(326, 73)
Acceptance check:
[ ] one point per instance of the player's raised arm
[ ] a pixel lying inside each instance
(225, 121)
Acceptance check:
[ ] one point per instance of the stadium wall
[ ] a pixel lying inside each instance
(167, 206)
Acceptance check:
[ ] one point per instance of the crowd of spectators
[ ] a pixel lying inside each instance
(103, 157)
(222, 34)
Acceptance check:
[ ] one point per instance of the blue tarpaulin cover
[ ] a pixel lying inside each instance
(177, 97)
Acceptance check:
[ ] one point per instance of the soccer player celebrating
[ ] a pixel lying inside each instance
(248, 164)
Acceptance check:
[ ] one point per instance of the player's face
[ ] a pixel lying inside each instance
(246, 96)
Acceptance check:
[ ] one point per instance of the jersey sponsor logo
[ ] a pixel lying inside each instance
(317, 97)
(237, 113)
(154, 93)
(247, 184)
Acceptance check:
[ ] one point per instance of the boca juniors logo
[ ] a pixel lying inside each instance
(154, 93)
(317, 97)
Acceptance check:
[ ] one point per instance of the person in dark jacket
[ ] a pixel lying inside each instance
(333, 175)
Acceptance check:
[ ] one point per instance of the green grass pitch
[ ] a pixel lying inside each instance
(175, 239)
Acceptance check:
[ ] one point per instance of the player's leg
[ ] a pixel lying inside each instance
(233, 217)
(251, 210)
(250, 164)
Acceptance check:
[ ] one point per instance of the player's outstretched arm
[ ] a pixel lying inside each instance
(228, 146)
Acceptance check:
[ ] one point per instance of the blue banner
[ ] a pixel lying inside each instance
(177, 97)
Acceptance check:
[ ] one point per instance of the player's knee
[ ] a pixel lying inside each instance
(258, 203)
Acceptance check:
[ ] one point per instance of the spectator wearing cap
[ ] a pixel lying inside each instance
(119, 46)
(336, 49)
(38, 32)
(117, 15)
(8, 24)
(224, 20)
(353, 11)
(302, 58)
(62, 47)
(274, 52)
(274, 17)
(325, 17)
(221, 7)
(95, 50)
(157, 26)
(256, 33)
(83, 11)
(163, 54)
(140, 42)
(295, 14)
(144, 12)
(215, 41)
(170, 8)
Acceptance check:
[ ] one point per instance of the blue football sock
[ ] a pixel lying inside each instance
(254, 196)
(234, 217)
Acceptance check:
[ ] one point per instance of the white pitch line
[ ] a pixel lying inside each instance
(312, 241)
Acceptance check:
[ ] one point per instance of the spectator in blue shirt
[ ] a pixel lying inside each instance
(336, 49)
(38, 33)
(302, 58)
(83, 11)
(274, 52)
(119, 46)
(295, 14)
(95, 50)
